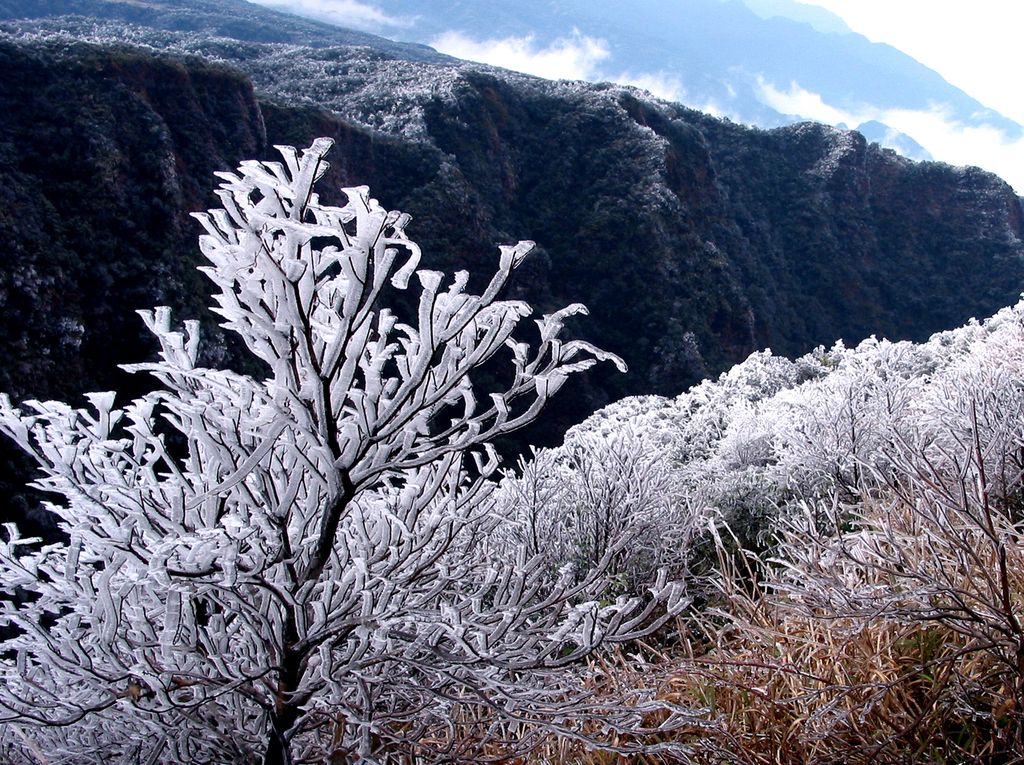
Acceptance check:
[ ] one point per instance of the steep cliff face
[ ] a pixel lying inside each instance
(104, 154)
(693, 241)
(844, 237)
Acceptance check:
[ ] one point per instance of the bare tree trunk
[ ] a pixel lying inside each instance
(286, 707)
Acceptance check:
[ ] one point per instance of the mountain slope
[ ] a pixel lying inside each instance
(693, 241)
(233, 19)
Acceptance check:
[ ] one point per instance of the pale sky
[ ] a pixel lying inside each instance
(974, 44)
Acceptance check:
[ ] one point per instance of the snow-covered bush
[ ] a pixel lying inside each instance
(601, 503)
(293, 569)
(883, 623)
(771, 434)
(923, 560)
(725, 448)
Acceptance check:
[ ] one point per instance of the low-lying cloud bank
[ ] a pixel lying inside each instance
(574, 57)
(936, 129)
(344, 13)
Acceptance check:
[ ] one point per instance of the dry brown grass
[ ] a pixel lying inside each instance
(786, 688)
(896, 640)
(781, 687)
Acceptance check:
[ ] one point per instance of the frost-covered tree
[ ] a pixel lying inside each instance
(297, 568)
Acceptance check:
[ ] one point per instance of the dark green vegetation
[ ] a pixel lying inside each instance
(693, 241)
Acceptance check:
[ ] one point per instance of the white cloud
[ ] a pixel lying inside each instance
(567, 58)
(947, 139)
(659, 84)
(343, 13)
(974, 45)
(803, 103)
(671, 88)
(715, 109)
(574, 57)
(951, 141)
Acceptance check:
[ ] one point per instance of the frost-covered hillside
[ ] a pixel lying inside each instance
(848, 526)
(771, 436)
(763, 62)
(693, 240)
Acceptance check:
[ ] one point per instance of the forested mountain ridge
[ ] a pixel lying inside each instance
(692, 240)
(743, 59)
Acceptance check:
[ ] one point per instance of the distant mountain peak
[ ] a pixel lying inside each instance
(819, 18)
(890, 138)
